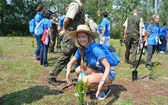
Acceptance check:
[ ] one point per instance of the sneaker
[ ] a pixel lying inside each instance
(36, 60)
(103, 94)
(45, 65)
(58, 50)
(89, 93)
(53, 81)
(148, 67)
(52, 52)
(161, 52)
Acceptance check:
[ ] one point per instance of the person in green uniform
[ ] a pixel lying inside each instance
(71, 21)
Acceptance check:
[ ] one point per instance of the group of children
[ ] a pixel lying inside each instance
(43, 25)
(43, 22)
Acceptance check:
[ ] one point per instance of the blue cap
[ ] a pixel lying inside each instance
(86, 15)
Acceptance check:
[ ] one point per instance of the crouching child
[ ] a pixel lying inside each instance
(99, 72)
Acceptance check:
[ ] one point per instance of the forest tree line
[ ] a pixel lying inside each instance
(15, 17)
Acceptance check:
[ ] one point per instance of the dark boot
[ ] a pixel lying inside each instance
(127, 61)
(148, 67)
(53, 81)
(132, 65)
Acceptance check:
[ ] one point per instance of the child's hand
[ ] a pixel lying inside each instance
(51, 41)
(140, 40)
(69, 80)
(99, 89)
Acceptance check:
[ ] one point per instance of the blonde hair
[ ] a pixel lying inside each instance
(153, 19)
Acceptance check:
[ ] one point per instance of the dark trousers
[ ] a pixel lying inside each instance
(131, 43)
(68, 50)
(54, 34)
(151, 50)
(43, 54)
(162, 47)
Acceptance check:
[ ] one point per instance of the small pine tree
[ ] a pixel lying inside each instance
(153, 71)
(81, 89)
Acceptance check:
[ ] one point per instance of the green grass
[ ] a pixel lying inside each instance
(23, 82)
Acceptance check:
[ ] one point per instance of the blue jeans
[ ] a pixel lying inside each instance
(39, 42)
(162, 47)
(43, 54)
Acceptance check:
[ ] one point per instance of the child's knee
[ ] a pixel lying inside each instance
(77, 70)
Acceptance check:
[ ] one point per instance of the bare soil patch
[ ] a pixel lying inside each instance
(140, 90)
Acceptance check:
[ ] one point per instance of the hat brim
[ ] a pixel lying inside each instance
(73, 34)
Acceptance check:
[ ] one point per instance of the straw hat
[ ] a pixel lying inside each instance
(82, 28)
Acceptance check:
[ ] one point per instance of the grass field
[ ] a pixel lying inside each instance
(23, 81)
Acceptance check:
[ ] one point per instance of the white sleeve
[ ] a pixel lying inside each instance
(73, 9)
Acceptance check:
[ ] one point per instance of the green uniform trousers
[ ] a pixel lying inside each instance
(131, 43)
(51, 45)
(68, 50)
(58, 45)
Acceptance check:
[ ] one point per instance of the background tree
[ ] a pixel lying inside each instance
(15, 17)
(164, 11)
(2, 13)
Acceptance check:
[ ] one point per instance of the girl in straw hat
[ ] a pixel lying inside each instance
(99, 73)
